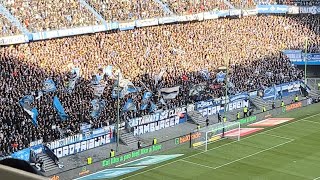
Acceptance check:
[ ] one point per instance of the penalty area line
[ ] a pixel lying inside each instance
(231, 162)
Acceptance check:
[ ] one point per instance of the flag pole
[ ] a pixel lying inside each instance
(118, 112)
(226, 92)
(305, 60)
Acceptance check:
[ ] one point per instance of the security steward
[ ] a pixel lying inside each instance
(245, 111)
(238, 115)
(282, 104)
(154, 142)
(112, 153)
(296, 99)
(224, 119)
(264, 109)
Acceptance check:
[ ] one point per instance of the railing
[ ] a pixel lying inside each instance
(313, 83)
(49, 152)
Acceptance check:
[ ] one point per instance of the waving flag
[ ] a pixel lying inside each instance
(108, 70)
(125, 89)
(158, 77)
(129, 106)
(220, 76)
(170, 93)
(95, 79)
(153, 107)
(98, 89)
(73, 79)
(205, 74)
(49, 86)
(145, 100)
(98, 106)
(59, 108)
(197, 89)
(26, 102)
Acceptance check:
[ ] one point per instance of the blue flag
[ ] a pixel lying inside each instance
(129, 106)
(96, 79)
(153, 107)
(220, 76)
(49, 86)
(34, 116)
(145, 100)
(98, 106)
(26, 102)
(59, 108)
(205, 74)
(124, 91)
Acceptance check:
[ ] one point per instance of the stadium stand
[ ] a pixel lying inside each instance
(50, 15)
(6, 28)
(118, 10)
(141, 54)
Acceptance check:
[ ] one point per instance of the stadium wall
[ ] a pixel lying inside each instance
(122, 26)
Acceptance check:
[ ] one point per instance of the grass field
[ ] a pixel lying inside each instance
(289, 151)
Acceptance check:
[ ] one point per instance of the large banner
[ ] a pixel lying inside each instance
(25, 153)
(214, 106)
(282, 90)
(82, 142)
(157, 121)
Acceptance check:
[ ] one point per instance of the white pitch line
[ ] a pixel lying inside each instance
(197, 164)
(231, 162)
(311, 122)
(282, 137)
(252, 154)
(218, 147)
(316, 178)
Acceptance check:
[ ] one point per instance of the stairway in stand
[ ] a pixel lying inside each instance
(48, 163)
(129, 139)
(197, 117)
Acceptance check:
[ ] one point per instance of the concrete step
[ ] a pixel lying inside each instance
(128, 138)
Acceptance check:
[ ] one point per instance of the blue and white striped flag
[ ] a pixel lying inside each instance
(170, 93)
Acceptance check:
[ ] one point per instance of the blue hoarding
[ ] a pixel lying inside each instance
(272, 9)
(297, 57)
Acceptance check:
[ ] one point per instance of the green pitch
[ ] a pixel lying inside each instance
(290, 151)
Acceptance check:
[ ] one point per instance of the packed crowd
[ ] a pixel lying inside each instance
(116, 10)
(43, 15)
(251, 46)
